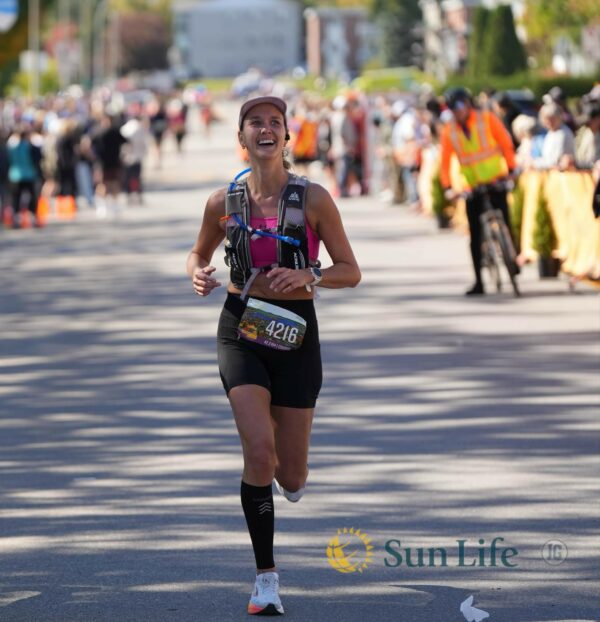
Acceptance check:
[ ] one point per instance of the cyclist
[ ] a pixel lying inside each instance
(271, 373)
(485, 153)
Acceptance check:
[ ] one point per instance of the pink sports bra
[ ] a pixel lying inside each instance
(264, 250)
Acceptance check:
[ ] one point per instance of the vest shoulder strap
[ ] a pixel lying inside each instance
(236, 200)
(292, 198)
(292, 222)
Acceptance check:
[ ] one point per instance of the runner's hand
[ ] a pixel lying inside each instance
(202, 281)
(286, 280)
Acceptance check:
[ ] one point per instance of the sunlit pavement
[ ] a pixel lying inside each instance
(441, 419)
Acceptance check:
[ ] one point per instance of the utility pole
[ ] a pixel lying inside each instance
(64, 48)
(99, 48)
(114, 26)
(86, 15)
(33, 33)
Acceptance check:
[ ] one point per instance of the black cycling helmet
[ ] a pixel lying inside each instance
(455, 95)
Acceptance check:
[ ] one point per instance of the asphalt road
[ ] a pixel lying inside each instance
(442, 419)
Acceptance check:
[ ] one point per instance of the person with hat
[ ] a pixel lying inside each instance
(485, 152)
(557, 96)
(267, 341)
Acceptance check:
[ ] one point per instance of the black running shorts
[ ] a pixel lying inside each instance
(293, 377)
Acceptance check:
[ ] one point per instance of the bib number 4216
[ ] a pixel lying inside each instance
(284, 332)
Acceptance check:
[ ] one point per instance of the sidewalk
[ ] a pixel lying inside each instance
(441, 419)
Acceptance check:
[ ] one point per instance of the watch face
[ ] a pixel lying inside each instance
(316, 273)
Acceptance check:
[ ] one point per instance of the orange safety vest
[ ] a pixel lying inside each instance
(480, 156)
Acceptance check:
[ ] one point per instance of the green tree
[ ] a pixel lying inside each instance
(15, 41)
(400, 22)
(502, 53)
(476, 42)
(546, 20)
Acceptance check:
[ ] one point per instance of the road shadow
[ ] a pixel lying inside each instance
(121, 462)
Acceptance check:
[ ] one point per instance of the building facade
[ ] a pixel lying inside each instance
(339, 41)
(220, 38)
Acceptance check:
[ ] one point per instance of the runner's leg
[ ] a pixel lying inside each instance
(250, 405)
(292, 439)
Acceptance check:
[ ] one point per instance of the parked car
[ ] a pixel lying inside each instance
(524, 100)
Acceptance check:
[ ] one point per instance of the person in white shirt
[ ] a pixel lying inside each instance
(407, 139)
(558, 148)
(134, 152)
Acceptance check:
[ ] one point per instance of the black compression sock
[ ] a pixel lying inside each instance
(257, 502)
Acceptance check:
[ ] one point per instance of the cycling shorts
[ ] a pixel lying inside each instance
(293, 377)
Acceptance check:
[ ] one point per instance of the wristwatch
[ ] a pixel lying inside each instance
(317, 276)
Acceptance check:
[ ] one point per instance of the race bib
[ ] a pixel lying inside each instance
(271, 326)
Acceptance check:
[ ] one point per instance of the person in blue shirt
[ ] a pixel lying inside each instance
(23, 170)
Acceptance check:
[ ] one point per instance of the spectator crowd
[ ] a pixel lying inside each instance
(83, 150)
(88, 149)
(379, 145)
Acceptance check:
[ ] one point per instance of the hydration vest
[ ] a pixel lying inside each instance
(290, 222)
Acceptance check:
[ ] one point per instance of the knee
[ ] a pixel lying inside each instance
(260, 459)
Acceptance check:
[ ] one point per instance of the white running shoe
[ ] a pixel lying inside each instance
(294, 497)
(265, 600)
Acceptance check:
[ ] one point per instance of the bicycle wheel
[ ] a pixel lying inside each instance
(490, 257)
(509, 257)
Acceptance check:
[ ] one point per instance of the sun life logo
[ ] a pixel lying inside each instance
(349, 550)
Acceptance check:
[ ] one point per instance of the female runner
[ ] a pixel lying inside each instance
(268, 342)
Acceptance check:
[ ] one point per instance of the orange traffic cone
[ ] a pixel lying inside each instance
(25, 219)
(66, 207)
(8, 215)
(43, 211)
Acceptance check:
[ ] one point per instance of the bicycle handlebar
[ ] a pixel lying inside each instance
(506, 184)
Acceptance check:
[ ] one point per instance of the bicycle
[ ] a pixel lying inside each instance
(497, 248)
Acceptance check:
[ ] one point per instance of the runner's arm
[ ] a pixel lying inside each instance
(324, 217)
(210, 236)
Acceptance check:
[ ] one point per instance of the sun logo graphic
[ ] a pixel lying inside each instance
(349, 550)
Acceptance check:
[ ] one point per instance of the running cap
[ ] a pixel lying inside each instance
(256, 101)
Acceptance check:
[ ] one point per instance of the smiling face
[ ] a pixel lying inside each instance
(263, 132)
